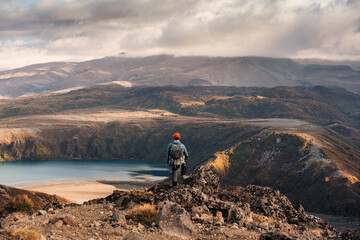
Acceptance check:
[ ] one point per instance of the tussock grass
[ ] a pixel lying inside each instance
(145, 214)
(22, 203)
(25, 234)
(221, 163)
(133, 193)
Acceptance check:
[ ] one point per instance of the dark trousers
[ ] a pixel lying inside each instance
(175, 172)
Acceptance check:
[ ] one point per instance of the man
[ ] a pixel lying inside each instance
(176, 158)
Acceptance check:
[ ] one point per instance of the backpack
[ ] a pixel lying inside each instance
(176, 151)
(176, 155)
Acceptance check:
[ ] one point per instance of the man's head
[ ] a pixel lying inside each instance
(177, 136)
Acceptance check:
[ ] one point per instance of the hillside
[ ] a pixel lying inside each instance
(166, 70)
(317, 104)
(311, 169)
(36, 201)
(303, 141)
(84, 119)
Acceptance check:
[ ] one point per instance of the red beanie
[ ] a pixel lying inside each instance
(177, 136)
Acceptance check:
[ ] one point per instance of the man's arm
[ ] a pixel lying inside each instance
(168, 153)
(185, 152)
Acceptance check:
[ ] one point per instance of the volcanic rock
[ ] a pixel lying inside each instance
(253, 208)
(173, 219)
(65, 218)
(237, 215)
(350, 235)
(119, 217)
(134, 236)
(272, 203)
(204, 179)
(276, 236)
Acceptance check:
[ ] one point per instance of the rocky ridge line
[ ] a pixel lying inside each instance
(260, 209)
(196, 209)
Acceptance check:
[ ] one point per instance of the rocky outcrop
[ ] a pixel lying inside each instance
(194, 210)
(204, 180)
(272, 203)
(199, 197)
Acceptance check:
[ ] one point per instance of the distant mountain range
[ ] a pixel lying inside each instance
(165, 70)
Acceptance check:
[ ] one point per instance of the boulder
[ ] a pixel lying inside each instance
(236, 214)
(134, 236)
(67, 219)
(263, 225)
(118, 217)
(219, 219)
(5, 223)
(41, 212)
(58, 223)
(174, 220)
(201, 214)
(200, 210)
(16, 216)
(276, 236)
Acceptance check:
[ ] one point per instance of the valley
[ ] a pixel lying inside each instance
(302, 141)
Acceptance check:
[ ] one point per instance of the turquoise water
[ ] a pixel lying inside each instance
(28, 173)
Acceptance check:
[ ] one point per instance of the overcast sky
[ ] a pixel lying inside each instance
(33, 31)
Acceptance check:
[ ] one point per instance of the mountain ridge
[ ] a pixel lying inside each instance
(163, 70)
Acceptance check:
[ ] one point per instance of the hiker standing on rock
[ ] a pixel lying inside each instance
(176, 158)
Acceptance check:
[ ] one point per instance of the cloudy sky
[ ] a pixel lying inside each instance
(34, 31)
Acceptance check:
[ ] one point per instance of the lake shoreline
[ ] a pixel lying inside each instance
(79, 192)
(34, 173)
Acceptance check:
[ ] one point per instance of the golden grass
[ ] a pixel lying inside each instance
(25, 234)
(145, 214)
(22, 203)
(221, 163)
(133, 193)
(255, 98)
(209, 98)
(353, 179)
(192, 103)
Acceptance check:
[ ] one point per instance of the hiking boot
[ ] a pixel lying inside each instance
(174, 184)
(183, 170)
(184, 177)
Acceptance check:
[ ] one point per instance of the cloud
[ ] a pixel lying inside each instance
(34, 31)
